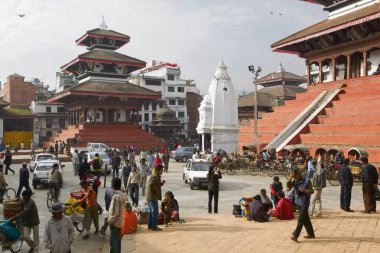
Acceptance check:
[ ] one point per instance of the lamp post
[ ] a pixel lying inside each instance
(255, 104)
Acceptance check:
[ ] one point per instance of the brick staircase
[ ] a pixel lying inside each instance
(115, 136)
(350, 120)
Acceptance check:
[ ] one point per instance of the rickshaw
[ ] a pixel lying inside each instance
(332, 154)
(297, 156)
(332, 164)
(321, 152)
(354, 155)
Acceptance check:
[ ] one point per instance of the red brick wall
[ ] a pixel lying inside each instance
(17, 92)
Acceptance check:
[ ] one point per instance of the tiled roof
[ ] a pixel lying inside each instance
(283, 90)
(325, 26)
(107, 33)
(264, 100)
(114, 87)
(109, 55)
(281, 75)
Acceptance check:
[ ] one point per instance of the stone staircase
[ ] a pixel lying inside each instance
(115, 136)
(351, 119)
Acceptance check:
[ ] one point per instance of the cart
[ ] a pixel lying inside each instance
(354, 155)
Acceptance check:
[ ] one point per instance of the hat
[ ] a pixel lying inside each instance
(57, 208)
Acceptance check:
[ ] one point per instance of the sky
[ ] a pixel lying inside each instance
(195, 34)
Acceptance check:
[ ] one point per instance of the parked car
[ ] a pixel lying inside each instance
(106, 160)
(39, 157)
(41, 171)
(182, 153)
(195, 173)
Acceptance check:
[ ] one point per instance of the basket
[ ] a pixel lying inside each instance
(77, 193)
(11, 207)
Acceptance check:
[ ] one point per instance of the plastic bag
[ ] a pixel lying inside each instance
(10, 232)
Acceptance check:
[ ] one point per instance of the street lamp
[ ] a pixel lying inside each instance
(255, 104)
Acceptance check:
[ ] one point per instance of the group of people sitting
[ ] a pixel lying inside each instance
(260, 208)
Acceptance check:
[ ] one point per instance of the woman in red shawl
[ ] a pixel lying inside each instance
(284, 208)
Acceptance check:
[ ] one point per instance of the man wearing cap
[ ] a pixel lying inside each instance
(59, 231)
(370, 179)
(30, 221)
(23, 179)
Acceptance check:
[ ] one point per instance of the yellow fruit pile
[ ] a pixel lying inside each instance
(70, 209)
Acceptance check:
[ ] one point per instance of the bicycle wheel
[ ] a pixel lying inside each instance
(16, 246)
(245, 168)
(332, 178)
(271, 171)
(230, 169)
(49, 200)
(222, 168)
(79, 223)
(10, 193)
(254, 170)
(264, 168)
(287, 173)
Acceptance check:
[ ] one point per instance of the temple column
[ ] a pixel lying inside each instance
(365, 64)
(333, 71)
(320, 73)
(308, 72)
(348, 70)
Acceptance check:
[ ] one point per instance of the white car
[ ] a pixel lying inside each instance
(195, 173)
(106, 160)
(39, 157)
(41, 172)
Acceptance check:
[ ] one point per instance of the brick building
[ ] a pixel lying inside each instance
(18, 93)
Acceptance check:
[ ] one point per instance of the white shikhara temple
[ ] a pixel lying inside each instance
(218, 114)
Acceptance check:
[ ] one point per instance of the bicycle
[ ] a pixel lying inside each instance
(9, 193)
(13, 246)
(76, 218)
(331, 175)
(236, 165)
(50, 197)
(262, 166)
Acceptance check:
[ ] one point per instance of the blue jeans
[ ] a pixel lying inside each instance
(115, 240)
(153, 215)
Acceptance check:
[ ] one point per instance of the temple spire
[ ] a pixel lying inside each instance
(103, 24)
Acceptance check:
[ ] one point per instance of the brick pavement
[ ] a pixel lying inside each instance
(336, 232)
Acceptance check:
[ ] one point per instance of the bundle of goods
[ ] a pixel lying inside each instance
(244, 202)
(77, 193)
(11, 207)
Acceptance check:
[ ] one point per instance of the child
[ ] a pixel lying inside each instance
(275, 189)
(166, 208)
(289, 191)
(129, 220)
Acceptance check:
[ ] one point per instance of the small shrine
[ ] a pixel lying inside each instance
(166, 125)
(218, 125)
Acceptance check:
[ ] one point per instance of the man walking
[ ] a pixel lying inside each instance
(75, 161)
(55, 182)
(23, 179)
(30, 221)
(126, 171)
(133, 186)
(370, 179)
(143, 168)
(8, 161)
(346, 182)
(59, 231)
(165, 160)
(213, 177)
(115, 216)
(116, 161)
(153, 195)
(303, 190)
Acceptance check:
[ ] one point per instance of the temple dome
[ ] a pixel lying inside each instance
(165, 113)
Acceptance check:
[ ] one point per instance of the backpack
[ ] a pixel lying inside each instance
(96, 164)
(236, 210)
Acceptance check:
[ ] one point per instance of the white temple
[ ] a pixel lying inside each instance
(218, 114)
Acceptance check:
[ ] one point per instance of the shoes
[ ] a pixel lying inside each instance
(156, 229)
(309, 236)
(96, 232)
(85, 237)
(349, 210)
(364, 211)
(318, 216)
(102, 232)
(293, 238)
(100, 211)
(30, 250)
(167, 225)
(13, 172)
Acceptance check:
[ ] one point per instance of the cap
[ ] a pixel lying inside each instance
(57, 207)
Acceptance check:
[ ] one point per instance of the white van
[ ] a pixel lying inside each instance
(96, 147)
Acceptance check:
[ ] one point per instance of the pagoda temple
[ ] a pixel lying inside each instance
(103, 99)
(342, 56)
